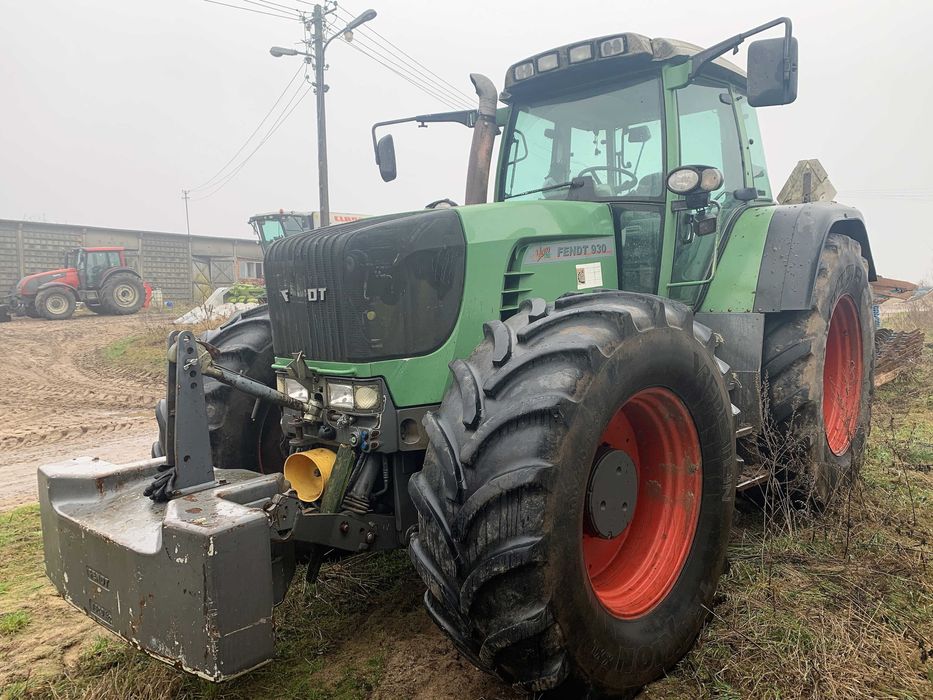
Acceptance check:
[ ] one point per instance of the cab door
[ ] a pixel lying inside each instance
(708, 135)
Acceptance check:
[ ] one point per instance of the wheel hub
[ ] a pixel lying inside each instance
(842, 375)
(612, 494)
(633, 569)
(125, 295)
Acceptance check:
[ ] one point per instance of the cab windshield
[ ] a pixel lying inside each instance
(611, 138)
(270, 228)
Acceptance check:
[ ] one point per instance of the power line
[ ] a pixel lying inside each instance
(289, 108)
(215, 176)
(250, 9)
(427, 90)
(276, 7)
(449, 97)
(464, 95)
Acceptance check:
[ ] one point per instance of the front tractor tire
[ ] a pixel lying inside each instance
(121, 294)
(577, 493)
(55, 303)
(819, 368)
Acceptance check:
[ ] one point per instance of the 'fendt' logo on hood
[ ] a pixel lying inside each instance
(310, 294)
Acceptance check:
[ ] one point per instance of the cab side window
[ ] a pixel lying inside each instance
(756, 151)
(709, 135)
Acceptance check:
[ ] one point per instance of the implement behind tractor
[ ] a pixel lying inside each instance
(550, 400)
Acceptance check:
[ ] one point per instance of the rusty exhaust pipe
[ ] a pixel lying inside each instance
(484, 135)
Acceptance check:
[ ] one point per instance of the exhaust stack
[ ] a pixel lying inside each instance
(484, 135)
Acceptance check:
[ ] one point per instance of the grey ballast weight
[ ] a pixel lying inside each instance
(191, 581)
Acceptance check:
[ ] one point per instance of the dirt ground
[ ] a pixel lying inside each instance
(60, 402)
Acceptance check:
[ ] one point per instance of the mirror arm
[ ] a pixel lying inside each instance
(467, 117)
(732, 43)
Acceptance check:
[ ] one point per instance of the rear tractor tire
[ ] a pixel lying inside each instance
(240, 439)
(121, 294)
(577, 493)
(819, 368)
(55, 304)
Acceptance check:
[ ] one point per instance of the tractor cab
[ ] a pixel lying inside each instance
(90, 264)
(662, 131)
(275, 225)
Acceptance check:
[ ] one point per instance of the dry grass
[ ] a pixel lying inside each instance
(836, 604)
(144, 351)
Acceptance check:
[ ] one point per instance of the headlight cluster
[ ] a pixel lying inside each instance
(354, 397)
(694, 178)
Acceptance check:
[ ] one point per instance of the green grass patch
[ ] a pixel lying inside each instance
(13, 623)
(142, 353)
(21, 568)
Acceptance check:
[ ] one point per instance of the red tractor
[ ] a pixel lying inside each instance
(98, 277)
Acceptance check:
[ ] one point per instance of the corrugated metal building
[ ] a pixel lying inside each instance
(163, 259)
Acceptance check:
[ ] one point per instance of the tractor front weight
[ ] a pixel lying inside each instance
(191, 574)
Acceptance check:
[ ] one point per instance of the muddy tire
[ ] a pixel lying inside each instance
(238, 439)
(55, 304)
(518, 573)
(819, 369)
(121, 294)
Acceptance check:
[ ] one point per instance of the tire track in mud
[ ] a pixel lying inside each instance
(55, 391)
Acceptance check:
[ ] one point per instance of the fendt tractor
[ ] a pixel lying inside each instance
(98, 277)
(540, 397)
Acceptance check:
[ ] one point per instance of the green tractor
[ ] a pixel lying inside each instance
(540, 397)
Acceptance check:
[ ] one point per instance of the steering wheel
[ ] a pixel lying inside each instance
(624, 187)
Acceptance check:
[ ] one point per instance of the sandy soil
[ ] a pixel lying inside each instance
(58, 402)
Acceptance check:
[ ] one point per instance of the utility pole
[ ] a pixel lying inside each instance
(316, 43)
(317, 20)
(184, 196)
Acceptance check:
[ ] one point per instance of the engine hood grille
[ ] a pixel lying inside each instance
(368, 290)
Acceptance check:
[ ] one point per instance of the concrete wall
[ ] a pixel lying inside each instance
(163, 259)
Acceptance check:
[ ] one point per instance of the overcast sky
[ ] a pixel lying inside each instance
(108, 109)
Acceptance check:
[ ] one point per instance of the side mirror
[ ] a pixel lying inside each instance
(772, 78)
(385, 158)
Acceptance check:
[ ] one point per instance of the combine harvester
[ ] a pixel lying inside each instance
(544, 398)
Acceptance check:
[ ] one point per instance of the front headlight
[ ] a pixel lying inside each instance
(290, 387)
(340, 395)
(354, 397)
(366, 396)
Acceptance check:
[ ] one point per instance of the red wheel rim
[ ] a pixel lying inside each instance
(842, 375)
(634, 571)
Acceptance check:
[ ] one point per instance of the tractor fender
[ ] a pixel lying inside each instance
(795, 240)
(56, 283)
(115, 270)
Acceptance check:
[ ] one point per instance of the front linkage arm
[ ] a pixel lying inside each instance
(188, 464)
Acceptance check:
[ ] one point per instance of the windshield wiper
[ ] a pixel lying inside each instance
(572, 184)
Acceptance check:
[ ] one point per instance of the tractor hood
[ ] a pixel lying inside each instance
(31, 283)
(401, 296)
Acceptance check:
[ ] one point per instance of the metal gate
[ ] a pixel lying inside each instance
(201, 278)
(222, 272)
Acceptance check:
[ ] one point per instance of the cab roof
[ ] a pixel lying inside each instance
(638, 52)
